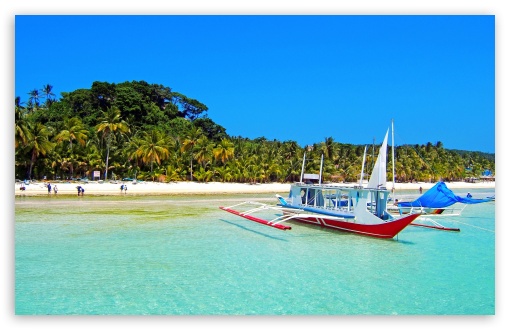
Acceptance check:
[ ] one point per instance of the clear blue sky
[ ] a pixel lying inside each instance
(301, 78)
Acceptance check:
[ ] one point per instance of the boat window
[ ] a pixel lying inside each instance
(319, 197)
(303, 195)
(311, 197)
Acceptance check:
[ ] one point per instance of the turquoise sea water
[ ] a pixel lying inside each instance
(127, 255)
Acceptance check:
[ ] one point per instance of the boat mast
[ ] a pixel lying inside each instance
(393, 156)
(373, 153)
(363, 167)
(303, 167)
(320, 174)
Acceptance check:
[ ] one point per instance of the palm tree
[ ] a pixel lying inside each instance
(153, 147)
(189, 144)
(92, 157)
(174, 173)
(38, 143)
(47, 92)
(329, 148)
(204, 149)
(111, 122)
(224, 151)
(290, 149)
(225, 173)
(34, 98)
(203, 175)
(74, 130)
(20, 125)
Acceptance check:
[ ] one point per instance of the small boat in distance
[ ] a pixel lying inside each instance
(358, 209)
(438, 201)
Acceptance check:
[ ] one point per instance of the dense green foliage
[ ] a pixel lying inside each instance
(147, 131)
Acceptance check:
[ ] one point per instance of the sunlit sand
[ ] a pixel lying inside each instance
(196, 188)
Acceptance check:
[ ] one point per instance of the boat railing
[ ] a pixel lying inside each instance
(337, 187)
(435, 211)
(321, 185)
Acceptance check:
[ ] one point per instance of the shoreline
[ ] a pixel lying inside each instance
(209, 188)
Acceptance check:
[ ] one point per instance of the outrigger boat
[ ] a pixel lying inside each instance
(355, 209)
(438, 201)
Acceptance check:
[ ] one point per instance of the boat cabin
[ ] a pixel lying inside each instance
(338, 198)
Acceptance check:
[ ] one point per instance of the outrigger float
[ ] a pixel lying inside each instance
(358, 209)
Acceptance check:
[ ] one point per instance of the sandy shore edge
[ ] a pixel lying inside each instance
(196, 188)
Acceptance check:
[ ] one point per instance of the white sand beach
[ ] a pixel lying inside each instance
(196, 188)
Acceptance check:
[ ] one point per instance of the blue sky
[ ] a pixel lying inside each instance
(294, 77)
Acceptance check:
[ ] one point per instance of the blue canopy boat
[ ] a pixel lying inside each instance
(437, 201)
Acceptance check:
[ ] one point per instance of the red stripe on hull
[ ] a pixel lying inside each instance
(251, 218)
(384, 230)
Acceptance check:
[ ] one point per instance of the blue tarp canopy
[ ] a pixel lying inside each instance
(440, 196)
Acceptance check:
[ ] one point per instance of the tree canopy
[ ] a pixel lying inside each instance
(148, 131)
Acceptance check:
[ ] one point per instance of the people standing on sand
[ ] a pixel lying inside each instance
(80, 190)
(55, 190)
(421, 190)
(49, 188)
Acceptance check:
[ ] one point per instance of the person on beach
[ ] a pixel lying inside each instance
(49, 188)
(421, 190)
(80, 189)
(469, 195)
(55, 190)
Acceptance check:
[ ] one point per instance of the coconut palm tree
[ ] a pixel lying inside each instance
(110, 123)
(92, 157)
(74, 130)
(48, 94)
(329, 148)
(204, 175)
(224, 151)
(154, 147)
(38, 143)
(189, 143)
(34, 99)
(203, 150)
(21, 125)
(224, 173)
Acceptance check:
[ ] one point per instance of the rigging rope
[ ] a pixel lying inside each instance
(467, 224)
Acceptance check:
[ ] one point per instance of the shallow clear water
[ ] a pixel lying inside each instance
(128, 255)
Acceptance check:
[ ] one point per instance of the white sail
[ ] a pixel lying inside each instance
(378, 177)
